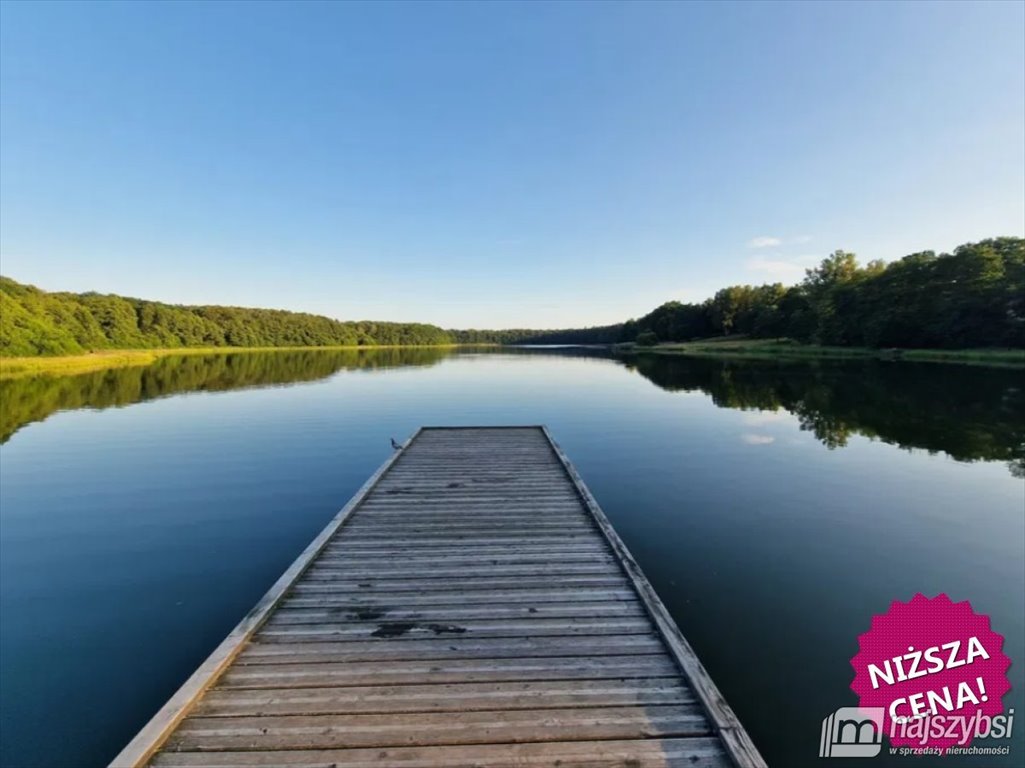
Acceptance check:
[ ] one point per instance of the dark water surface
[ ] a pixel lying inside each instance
(775, 506)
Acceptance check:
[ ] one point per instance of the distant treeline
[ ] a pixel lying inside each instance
(605, 334)
(973, 297)
(34, 322)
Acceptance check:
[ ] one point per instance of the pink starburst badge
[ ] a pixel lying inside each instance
(937, 671)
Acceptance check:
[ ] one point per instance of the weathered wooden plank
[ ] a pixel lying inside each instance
(393, 565)
(460, 479)
(431, 486)
(312, 595)
(469, 541)
(396, 581)
(553, 531)
(473, 511)
(470, 513)
(387, 511)
(390, 550)
(401, 571)
(456, 493)
(476, 627)
(467, 459)
(465, 464)
(377, 560)
(470, 458)
(469, 560)
(400, 649)
(375, 585)
(699, 752)
(478, 481)
(459, 490)
(451, 697)
(480, 444)
(509, 500)
(321, 609)
(289, 614)
(418, 633)
(318, 675)
(422, 729)
(455, 518)
(374, 529)
(441, 487)
(491, 555)
(467, 504)
(480, 449)
(370, 534)
(458, 520)
(483, 543)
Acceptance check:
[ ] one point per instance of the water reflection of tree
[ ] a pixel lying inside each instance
(25, 400)
(970, 413)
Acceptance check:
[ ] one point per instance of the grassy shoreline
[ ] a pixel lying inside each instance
(768, 349)
(90, 362)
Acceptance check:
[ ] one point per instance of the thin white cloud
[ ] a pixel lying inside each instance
(752, 439)
(768, 241)
(759, 418)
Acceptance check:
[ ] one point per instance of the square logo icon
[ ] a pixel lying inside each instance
(852, 732)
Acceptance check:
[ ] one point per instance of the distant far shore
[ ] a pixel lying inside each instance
(787, 348)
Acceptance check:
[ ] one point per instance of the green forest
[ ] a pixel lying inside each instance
(34, 322)
(971, 298)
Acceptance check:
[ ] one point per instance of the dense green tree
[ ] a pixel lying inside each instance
(974, 297)
(33, 322)
(672, 321)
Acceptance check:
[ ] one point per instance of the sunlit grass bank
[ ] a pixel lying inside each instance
(776, 348)
(15, 367)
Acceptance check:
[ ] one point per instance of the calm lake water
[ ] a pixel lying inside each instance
(775, 506)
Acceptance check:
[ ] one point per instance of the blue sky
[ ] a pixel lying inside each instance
(497, 165)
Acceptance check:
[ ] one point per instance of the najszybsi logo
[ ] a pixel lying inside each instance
(852, 732)
(858, 732)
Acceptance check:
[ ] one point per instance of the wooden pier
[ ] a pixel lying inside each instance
(470, 606)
